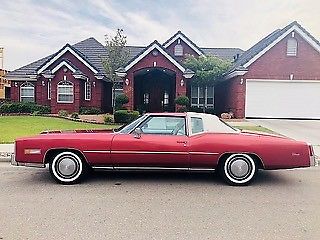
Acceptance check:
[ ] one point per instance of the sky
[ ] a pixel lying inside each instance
(32, 29)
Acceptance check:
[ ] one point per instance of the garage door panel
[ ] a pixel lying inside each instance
(283, 99)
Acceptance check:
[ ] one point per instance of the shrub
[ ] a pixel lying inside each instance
(89, 110)
(74, 115)
(200, 110)
(182, 101)
(63, 113)
(108, 119)
(182, 109)
(24, 107)
(125, 116)
(120, 101)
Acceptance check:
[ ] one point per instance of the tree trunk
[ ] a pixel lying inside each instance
(204, 99)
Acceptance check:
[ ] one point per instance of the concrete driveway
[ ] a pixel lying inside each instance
(305, 130)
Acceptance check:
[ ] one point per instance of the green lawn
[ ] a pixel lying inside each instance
(12, 127)
(256, 129)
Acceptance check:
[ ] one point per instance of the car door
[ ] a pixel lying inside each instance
(161, 141)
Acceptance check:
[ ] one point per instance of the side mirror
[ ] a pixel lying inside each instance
(137, 133)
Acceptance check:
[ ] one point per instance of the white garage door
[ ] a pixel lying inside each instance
(283, 99)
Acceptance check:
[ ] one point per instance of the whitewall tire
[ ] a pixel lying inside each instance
(238, 169)
(67, 168)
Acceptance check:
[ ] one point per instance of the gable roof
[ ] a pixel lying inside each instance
(89, 49)
(67, 48)
(147, 50)
(184, 38)
(260, 48)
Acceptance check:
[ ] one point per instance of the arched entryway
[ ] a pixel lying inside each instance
(154, 90)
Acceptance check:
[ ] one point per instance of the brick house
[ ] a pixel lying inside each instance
(277, 77)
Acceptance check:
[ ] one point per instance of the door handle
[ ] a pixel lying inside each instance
(184, 142)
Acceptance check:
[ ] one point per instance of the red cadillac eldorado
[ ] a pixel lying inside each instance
(163, 141)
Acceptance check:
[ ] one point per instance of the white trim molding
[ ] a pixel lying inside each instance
(236, 73)
(190, 44)
(283, 80)
(148, 50)
(295, 28)
(66, 49)
(63, 63)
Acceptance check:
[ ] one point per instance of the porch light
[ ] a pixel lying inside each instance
(42, 83)
(16, 84)
(127, 82)
(181, 82)
(188, 73)
(94, 84)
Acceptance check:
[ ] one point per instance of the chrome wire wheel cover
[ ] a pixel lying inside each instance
(239, 168)
(67, 167)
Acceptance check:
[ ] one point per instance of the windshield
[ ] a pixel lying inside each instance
(128, 128)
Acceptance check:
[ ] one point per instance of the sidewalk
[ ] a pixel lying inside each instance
(5, 152)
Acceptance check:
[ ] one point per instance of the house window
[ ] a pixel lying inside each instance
(200, 96)
(87, 91)
(292, 47)
(49, 90)
(166, 98)
(65, 92)
(146, 98)
(27, 92)
(178, 50)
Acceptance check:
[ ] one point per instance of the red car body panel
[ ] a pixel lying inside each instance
(151, 150)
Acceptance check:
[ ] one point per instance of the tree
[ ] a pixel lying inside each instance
(117, 56)
(208, 71)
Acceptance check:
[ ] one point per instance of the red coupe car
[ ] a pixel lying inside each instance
(165, 141)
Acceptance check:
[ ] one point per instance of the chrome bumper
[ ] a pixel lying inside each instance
(13, 160)
(26, 164)
(313, 161)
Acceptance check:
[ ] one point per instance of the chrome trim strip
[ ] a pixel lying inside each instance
(37, 165)
(96, 151)
(201, 169)
(204, 153)
(152, 168)
(105, 168)
(147, 152)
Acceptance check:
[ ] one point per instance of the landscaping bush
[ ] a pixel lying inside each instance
(120, 101)
(63, 113)
(125, 116)
(108, 119)
(89, 111)
(74, 115)
(20, 107)
(182, 109)
(182, 101)
(200, 110)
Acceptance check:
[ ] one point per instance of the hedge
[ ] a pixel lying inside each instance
(21, 107)
(89, 111)
(125, 116)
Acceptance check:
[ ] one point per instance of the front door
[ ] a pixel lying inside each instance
(162, 143)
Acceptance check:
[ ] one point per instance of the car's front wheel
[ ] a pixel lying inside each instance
(67, 168)
(238, 169)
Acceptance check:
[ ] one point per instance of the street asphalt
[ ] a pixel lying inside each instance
(278, 205)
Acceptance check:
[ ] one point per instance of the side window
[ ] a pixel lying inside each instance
(164, 125)
(196, 125)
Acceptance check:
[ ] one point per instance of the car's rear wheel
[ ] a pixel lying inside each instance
(238, 169)
(67, 168)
